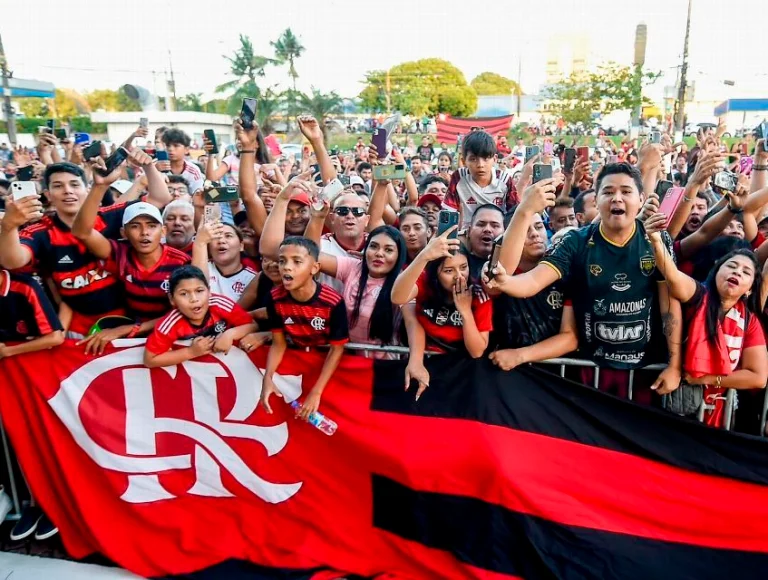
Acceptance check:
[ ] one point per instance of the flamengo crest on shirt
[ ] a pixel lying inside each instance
(207, 430)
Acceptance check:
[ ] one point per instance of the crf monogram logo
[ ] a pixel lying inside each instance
(318, 323)
(199, 443)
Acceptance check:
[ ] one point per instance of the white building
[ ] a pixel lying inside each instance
(120, 125)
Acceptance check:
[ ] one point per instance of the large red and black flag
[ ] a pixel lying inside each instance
(448, 128)
(490, 475)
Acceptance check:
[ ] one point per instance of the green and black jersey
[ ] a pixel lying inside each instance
(613, 290)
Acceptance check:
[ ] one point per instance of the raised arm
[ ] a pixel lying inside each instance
(714, 226)
(404, 289)
(157, 185)
(706, 167)
(247, 179)
(681, 286)
(274, 227)
(378, 205)
(310, 128)
(83, 226)
(17, 213)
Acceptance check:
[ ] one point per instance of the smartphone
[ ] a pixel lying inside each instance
(662, 187)
(211, 136)
(744, 149)
(221, 194)
(212, 213)
(248, 112)
(44, 130)
(495, 254)
(531, 151)
(382, 172)
(82, 138)
(583, 153)
(316, 176)
(25, 173)
(61, 134)
(161, 155)
(22, 189)
(144, 123)
(93, 150)
(379, 140)
(725, 181)
(613, 159)
(541, 171)
(445, 221)
(50, 123)
(331, 191)
(764, 131)
(548, 148)
(570, 159)
(655, 136)
(671, 201)
(114, 161)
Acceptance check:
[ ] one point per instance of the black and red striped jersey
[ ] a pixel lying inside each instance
(222, 315)
(146, 289)
(81, 278)
(25, 311)
(320, 321)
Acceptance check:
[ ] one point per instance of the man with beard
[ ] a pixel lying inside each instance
(179, 222)
(487, 224)
(414, 225)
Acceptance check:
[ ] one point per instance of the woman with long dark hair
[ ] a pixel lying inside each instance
(368, 285)
(456, 315)
(725, 345)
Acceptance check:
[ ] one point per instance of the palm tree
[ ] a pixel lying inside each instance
(269, 104)
(246, 67)
(287, 49)
(320, 106)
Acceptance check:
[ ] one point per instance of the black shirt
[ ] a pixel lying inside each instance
(614, 292)
(520, 322)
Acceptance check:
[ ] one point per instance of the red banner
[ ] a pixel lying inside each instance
(490, 475)
(449, 127)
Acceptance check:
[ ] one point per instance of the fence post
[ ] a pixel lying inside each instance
(765, 413)
(11, 476)
(730, 400)
(631, 383)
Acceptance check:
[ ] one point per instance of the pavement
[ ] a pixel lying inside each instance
(22, 567)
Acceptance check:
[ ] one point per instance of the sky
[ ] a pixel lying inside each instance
(96, 45)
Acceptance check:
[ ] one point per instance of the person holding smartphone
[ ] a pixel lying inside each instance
(455, 314)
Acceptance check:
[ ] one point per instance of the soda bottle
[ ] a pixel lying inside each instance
(318, 420)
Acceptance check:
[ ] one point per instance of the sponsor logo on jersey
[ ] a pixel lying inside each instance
(288, 320)
(83, 280)
(220, 327)
(599, 307)
(647, 265)
(471, 201)
(620, 332)
(633, 357)
(623, 308)
(318, 323)
(621, 283)
(588, 326)
(595, 269)
(65, 260)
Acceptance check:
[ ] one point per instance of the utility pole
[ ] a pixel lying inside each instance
(171, 105)
(641, 37)
(389, 104)
(10, 117)
(519, 85)
(680, 121)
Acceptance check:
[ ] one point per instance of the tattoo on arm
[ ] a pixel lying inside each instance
(668, 323)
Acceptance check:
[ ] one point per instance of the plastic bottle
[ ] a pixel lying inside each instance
(318, 420)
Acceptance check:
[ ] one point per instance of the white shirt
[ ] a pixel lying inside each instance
(329, 245)
(230, 286)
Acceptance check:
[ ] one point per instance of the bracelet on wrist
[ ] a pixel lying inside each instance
(760, 167)
(736, 210)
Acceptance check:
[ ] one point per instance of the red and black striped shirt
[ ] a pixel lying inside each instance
(222, 315)
(81, 278)
(146, 289)
(320, 321)
(25, 311)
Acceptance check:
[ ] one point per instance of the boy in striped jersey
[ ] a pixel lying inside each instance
(213, 322)
(310, 313)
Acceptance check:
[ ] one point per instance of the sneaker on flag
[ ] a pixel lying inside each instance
(45, 529)
(26, 526)
(5, 504)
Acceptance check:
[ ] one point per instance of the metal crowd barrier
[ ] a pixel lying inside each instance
(402, 352)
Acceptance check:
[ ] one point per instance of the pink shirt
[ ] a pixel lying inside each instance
(348, 271)
(233, 175)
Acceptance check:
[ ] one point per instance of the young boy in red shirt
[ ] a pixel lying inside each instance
(309, 313)
(213, 322)
(142, 263)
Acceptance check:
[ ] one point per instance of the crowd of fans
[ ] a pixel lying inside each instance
(316, 252)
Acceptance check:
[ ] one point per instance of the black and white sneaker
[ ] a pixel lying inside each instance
(26, 526)
(5, 504)
(45, 529)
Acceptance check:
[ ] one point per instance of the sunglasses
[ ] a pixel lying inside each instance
(343, 210)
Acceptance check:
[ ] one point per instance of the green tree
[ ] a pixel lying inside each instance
(427, 86)
(490, 83)
(246, 67)
(33, 107)
(287, 49)
(190, 102)
(612, 87)
(109, 100)
(320, 106)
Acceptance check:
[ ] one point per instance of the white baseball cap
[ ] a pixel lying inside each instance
(356, 180)
(122, 185)
(141, 208)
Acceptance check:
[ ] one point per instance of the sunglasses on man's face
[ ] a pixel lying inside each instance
(343, 210)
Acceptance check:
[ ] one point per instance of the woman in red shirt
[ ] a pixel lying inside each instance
(725, 345)
(455, 314)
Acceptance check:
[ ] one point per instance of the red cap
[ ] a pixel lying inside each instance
(429, 197)
(301, 198)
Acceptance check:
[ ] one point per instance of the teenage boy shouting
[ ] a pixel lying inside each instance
(308, 313)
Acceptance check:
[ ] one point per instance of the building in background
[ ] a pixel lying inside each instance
(120, 125)
(566, 54)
